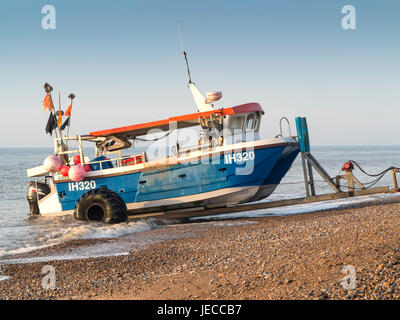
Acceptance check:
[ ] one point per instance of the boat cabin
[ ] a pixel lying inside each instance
(218, 127)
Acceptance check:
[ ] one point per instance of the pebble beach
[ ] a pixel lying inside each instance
(302, 256)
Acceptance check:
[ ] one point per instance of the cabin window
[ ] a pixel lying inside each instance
(236, 123)
(250, 122)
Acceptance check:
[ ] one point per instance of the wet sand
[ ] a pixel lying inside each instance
(287, 257)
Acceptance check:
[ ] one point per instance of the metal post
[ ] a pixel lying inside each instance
(310, 174)
(303, 161)
(321, 171)
(80, 149)
(337, 181)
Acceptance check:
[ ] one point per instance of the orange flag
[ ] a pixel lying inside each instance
(59, 120)
(68, 112)
(47, 103)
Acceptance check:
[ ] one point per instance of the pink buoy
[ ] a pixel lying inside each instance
(87, 167)
(52, 164)
(77, 173)
(77, 159)
(65, 170)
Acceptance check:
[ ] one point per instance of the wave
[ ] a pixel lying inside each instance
(47, 238)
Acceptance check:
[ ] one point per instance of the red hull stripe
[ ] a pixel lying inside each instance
(163, 124)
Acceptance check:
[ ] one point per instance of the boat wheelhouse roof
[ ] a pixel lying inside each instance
(183, 121)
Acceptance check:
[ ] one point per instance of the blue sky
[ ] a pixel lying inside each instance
(122, 60)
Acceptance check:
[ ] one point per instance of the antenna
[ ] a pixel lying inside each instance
(200, 100)
(184, 52)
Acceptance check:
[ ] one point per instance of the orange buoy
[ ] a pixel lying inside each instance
(64, 170)
(77, 159)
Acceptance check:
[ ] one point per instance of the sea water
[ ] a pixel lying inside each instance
(19, 233)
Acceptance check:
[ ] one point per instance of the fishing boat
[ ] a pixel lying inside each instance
(226, 164)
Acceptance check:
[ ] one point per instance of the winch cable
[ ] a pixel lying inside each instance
(369, 184)
(372, 175)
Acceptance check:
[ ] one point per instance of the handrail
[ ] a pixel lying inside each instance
(118, 160)
(280, 126)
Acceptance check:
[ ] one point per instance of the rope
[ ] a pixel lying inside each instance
(152, 140)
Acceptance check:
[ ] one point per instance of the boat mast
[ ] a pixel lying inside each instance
(198, 97)
(184, 52)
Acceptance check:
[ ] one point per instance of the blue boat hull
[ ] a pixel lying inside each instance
(221, 180)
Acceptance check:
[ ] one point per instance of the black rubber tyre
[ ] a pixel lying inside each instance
(101, 205)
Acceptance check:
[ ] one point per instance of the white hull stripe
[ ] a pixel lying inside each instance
(183, 158)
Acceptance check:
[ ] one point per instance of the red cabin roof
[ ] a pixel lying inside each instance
(184, 121)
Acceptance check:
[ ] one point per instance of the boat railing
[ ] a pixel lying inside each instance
(62, 149)
(123, 161)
